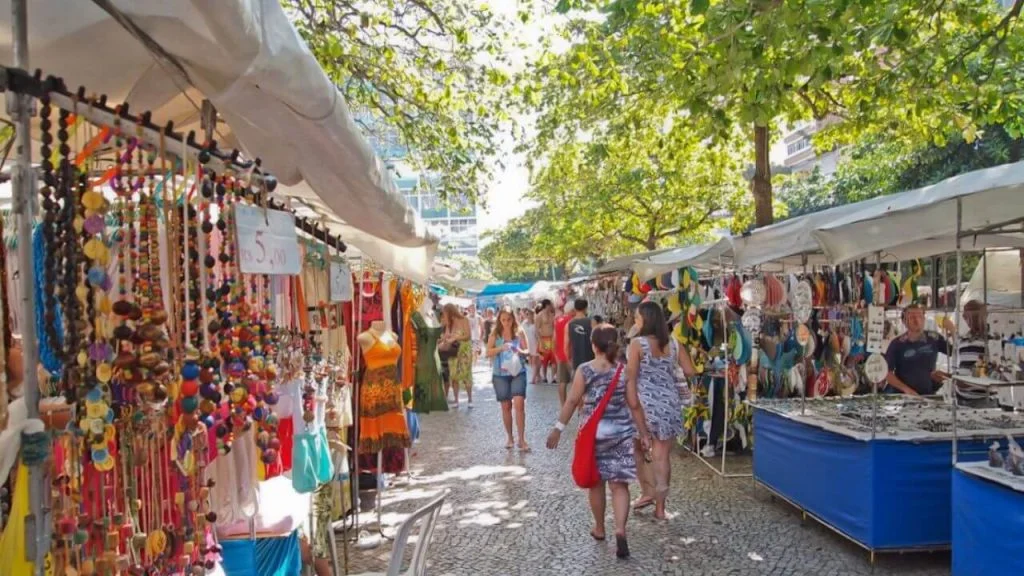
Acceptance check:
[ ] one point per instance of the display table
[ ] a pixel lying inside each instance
(890, 492)
(988, 521)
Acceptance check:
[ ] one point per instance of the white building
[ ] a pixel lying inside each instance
(795, 150)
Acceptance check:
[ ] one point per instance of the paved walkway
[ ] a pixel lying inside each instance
(520, 514)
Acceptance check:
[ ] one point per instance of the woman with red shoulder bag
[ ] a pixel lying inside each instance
(611, 419)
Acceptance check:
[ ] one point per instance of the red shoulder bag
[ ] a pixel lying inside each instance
(584, 460)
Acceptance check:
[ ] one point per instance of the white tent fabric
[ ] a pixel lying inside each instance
(699, 255)
(1002, 269)
(788, 241)
(248, 60)
(623, 263)
(989, 197)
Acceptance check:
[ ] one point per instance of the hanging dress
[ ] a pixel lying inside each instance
(429, 391)
(382, 421)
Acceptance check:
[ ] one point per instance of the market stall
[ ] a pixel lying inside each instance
(182, 302)
(988, 514)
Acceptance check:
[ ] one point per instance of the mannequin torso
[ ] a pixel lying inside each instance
(377, 333)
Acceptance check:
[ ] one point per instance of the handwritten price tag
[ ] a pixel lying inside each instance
(340, 282)
(267, 243)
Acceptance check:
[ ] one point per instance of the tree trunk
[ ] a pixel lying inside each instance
(652, 243)
(761, 185)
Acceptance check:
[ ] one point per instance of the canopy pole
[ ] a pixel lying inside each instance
(19, 107)
(956, 322)
(803, 389)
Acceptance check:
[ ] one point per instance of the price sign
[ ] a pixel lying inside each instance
(876, 368)
(341, 282)
(267, 243)
(876, 329)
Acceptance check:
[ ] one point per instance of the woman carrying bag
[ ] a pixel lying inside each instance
(611, 418)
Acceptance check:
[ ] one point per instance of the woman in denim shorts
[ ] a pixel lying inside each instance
(507, 348)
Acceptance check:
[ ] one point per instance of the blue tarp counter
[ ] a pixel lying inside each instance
(883, 494)
(988, 522)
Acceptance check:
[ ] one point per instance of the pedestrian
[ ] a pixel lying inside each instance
(563, 368)
(456, 342)
(506, 346)
(651, 361)
(579, 348)
(620, 423)
(475, 331)
(530, 330)
(546, 340)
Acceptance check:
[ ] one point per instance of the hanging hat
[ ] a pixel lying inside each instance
(732, 291)
(746, 343)
(753, 292)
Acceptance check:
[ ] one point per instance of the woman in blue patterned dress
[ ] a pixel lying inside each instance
(615, 434)
(651, 363)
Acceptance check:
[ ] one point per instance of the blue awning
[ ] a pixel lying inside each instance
(499, 289)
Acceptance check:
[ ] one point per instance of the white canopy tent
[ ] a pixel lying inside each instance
(698, 255)
(248, 60)
(789, 241)
(623, 263)
(924, 222)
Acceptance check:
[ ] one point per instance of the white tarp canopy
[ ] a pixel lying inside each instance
(698, 255)
(248, 60)
(787, 242)
(999, 271)
(927, 217)
(623, 263)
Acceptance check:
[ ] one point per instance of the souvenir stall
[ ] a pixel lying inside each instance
(395, 334)
(694, 286)
(891, 451)
(189, 359)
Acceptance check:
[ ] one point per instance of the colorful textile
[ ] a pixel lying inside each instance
(381, 411)
(428, 394)
(656, 386)
(462, 366)
(616, 461)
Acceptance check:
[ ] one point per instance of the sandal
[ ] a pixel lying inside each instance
(643, 502)
(621, 547)
(596, 537)
(510, 445)
(524, 448)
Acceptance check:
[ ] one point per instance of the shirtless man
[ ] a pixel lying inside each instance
(546, 335)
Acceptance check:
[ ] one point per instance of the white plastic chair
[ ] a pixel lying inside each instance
(426, 518)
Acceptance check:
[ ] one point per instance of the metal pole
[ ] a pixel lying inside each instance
(874, 386)
(19, 108)
(803, 389)
(956, 331)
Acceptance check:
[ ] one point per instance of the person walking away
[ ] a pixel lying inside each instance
(506, 348)
(530, 330)
(912, 356)
(622, 419)
(579, 349)
(546, 336)
(651, 361)
(488, 325)
(563, 368)
(475, 332)
(456, 340)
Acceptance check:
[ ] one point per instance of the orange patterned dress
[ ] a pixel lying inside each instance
(382, 421)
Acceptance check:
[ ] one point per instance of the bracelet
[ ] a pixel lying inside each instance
(559, 426)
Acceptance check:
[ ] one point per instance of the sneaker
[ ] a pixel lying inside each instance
(708, 451)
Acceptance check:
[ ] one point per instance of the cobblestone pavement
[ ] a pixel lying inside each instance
(511, 513)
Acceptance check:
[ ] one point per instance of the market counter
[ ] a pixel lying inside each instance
(887, 493)
(988, 521)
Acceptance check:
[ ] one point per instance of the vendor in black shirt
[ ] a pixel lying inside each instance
(577, 342)
(911, 356)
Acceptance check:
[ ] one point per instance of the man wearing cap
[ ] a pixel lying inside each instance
(911, 356)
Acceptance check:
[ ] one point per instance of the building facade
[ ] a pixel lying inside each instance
(795, 150)
(454, 222)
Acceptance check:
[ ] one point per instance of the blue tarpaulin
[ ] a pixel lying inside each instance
(884, 494)
(988, 522)
(501, 289)
(262, 556)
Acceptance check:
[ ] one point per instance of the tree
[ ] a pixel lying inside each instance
(878, 167)
(434, 71)
(637, 186)
(906, 68)
(518, 252)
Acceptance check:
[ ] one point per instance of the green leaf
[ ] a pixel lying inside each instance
(698, 7)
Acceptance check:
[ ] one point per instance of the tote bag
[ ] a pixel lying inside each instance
(584, 460)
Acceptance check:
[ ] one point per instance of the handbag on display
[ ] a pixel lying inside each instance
(584, 459)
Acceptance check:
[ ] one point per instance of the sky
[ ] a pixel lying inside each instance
(505, 193)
